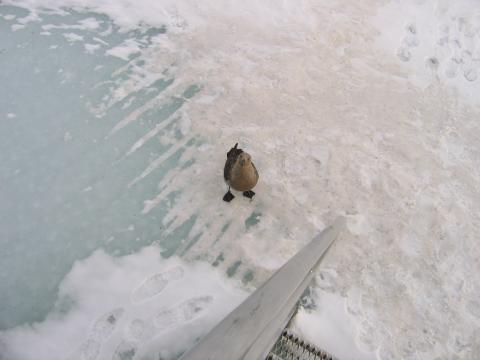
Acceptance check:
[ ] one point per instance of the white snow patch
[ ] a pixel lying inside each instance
(72, 37)
(89, 24)
(100, 41)
(185, 123)
(331, 327)
(32, 16)
(16, 27)
(91, 48)
(175, 303)
(123, 51)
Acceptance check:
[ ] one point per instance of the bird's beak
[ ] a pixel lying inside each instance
(235, 146)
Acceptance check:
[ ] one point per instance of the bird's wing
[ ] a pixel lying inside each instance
(232, 157)
(256, 172)
(228, 167)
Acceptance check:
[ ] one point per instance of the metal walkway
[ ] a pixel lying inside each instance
(291, 347)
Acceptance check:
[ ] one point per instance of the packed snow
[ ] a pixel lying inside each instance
(116, 122)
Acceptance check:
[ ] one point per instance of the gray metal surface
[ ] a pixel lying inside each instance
(250, 331)
(290, 346)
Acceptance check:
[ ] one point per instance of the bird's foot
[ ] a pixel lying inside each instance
(228, 196)
(249, 194)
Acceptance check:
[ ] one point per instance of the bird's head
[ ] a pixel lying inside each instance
(234, 152)
(244, 159)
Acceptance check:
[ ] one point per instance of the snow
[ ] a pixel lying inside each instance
(366, 109)
(72, 37)
(150, 299)
(125, 50)
(437, 41)
(327, 324)
(90, 48)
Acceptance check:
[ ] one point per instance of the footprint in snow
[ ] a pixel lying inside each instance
(137, 331)
(411, 37)
(155, 284)
(101, 330)
(403, 53)
(186, 311)
(432, 63)
(126, 350)
(470, 74)
(451, 69)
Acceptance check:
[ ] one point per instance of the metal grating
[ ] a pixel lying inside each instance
(290, 346)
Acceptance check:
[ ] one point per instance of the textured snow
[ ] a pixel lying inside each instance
(366, 109)
(330, 322)
(437, 40)
(105, 308)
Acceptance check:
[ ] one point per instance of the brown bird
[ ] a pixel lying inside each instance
(239, 173)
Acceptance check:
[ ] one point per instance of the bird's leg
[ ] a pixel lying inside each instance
(249, 194)
(228, 196)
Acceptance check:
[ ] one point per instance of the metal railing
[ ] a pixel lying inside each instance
(251, 330)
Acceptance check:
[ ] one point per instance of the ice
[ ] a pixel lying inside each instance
(17, 27)
(362, 109)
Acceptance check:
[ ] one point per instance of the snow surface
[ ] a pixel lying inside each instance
(142, 304)
(367, 109)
